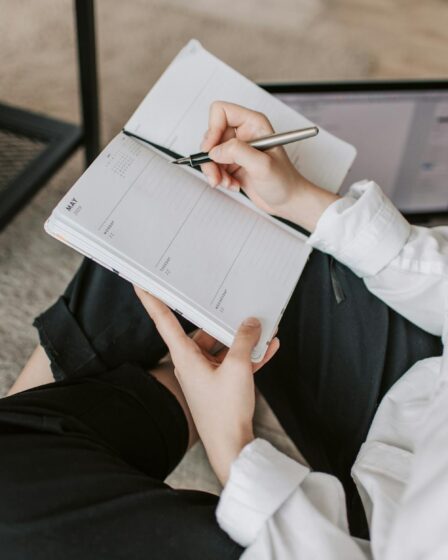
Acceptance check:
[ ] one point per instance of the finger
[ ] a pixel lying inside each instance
(274, 345)
(223, 115)
(213, 173)
(211, 138)
(204, 340)
(246, 338)
(229, 133)
(235, 185)
(226, 179)
(166, 323)
(241, 153)
(217, 128)
(218, 175)
(220, 356)
(233, 168)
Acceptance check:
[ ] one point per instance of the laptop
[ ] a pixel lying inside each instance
(399, 128)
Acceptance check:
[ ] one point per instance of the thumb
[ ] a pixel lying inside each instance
(241, 153)
(246, 338)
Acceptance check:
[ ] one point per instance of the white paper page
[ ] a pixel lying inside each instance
(210, 251)
(174, 114)
(118, 264)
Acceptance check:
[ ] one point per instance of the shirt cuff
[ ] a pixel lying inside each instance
(363, 230)
(261, 479)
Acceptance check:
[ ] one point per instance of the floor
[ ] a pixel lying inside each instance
(285, 40)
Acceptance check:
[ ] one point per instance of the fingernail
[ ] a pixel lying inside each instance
(251, 322)
(234, 188)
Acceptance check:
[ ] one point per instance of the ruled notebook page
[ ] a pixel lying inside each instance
(215, 253)
(174, 114)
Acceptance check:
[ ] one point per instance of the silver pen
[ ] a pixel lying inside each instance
(264, 143)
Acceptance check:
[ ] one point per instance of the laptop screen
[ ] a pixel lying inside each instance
(401, 138)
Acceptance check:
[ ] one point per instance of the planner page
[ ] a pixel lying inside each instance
(175, 112)
(212, 251)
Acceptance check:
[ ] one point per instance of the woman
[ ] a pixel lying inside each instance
(84, 458)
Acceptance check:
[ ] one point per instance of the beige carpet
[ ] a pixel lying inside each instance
(266, 40)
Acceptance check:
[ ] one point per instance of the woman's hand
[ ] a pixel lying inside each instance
(268, 178)
(219, 387)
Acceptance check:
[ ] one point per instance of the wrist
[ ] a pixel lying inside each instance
(225, 452)
(306, 204)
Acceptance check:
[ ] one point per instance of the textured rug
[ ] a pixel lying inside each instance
(295, 40)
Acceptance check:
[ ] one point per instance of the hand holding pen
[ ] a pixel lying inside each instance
(264, 143)
(267, 177)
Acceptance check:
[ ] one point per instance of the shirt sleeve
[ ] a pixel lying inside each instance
(403, 265)
(277, 508)
(261, 479)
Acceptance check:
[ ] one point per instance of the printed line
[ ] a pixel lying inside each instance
(176, 126)
(235, 259)
(205, 188)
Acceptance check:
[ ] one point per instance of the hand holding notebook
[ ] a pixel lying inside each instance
(208, 253)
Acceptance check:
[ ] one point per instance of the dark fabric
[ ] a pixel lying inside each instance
(99, 324)
(81, 471)
(341, 349)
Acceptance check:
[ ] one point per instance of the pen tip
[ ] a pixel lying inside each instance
(182, 161)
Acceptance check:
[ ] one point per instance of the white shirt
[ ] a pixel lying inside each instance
(278, 508)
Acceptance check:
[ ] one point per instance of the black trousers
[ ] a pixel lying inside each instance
(83, 459)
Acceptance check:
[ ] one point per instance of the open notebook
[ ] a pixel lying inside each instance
(208, 253)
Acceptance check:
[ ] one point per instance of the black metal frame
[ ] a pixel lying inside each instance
(61, 138)
(85, 24)
(359, 86)
(351, 86)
